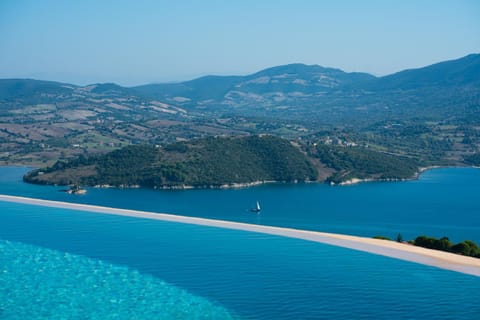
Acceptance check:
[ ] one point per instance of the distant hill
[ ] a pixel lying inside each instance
(293, 91)
(210, 162)
(29, 89)
(208, 87)
(447, 74)
(111, 88)
(280, 84)
(314, 75)
(328, 95)
(430, 114)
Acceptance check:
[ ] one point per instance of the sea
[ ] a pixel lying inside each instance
(66, 264)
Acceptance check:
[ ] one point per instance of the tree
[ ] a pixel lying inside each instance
(444, 244)
(399, 238)
(467, 247)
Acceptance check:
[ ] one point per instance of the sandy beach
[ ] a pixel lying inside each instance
(435, 258)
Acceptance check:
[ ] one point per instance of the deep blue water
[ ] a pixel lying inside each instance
(253, 276)
(443, 202)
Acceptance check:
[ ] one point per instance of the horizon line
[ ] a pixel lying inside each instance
(213, 74)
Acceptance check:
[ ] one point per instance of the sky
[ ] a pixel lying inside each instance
(139, 42)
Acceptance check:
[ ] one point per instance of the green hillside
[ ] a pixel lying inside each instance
(361, 163)
(209, 162)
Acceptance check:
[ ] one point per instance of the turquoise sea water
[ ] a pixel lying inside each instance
(39, 283)
(234, 273)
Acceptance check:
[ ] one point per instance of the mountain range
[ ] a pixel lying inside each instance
(292, 101)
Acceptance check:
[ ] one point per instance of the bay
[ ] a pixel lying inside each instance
(442, 202)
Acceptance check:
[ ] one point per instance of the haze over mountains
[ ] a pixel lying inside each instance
(293, 101)
(296, 91)
(288, 90)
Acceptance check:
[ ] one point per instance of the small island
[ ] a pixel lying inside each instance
(75, 189)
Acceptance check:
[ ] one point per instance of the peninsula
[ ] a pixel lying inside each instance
(208, 163)
(222, 162)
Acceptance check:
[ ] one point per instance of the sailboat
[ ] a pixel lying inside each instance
(256, 209)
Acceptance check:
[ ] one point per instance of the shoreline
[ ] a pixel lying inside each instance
(416, 176)
(434, 258)
(241, 185)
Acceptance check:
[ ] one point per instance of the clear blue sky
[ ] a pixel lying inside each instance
(136, 42)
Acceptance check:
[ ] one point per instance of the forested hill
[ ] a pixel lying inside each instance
(209, 162)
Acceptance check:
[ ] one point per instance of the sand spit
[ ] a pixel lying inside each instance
(435, 258)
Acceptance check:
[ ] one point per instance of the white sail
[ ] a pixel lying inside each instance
(256, 208)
